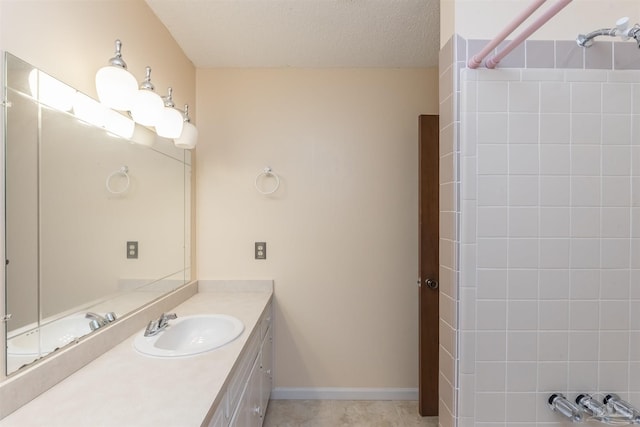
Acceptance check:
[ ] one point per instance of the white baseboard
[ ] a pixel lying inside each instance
(341, 393)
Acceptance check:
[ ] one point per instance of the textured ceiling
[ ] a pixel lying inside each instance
(304, 33)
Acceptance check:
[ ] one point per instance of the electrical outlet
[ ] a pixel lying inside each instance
(132, 250)
(261, 250)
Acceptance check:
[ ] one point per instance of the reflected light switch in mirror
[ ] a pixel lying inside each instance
(132, 250)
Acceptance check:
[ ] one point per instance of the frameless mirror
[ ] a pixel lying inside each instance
(95, 222)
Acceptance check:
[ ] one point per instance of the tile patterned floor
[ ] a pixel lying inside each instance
(343, 413)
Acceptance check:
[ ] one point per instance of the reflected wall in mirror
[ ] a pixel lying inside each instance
(75, 196)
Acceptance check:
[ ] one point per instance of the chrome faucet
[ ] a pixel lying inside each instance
(156, 326)
(98, 321)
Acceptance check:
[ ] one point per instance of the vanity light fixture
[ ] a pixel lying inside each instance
(189, 136)
(171, 121)
(115, 85)
(118, 89)
(147, 105)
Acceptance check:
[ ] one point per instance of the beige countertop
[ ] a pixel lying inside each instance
(125, 388)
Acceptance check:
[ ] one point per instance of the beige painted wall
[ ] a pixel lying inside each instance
(72, 39)
(447, 20)
(483, 19)
(341, 231)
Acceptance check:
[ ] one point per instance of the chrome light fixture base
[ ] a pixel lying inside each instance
(147, 105)
(170, 123)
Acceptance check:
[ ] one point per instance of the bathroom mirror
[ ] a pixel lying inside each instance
(95, 222)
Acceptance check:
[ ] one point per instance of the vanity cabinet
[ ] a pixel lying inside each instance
(245, 399)
(218, 419)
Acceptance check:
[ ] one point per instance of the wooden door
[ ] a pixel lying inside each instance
(429, 157)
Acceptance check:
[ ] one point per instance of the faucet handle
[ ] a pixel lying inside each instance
(152, 328)
(164, 319)
(167, 316)
(110, 317)
(94, 324)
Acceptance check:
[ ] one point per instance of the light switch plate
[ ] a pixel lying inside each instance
(261, 250)
(132, 250)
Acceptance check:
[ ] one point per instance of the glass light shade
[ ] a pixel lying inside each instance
(147, 107)
(116, 87)
(188, 138)
(89, 110)
(50, 91)
(118, 124)
(143, 136)
(170, 124)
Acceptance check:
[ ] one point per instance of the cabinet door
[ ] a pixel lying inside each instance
(218, 418)
(249, 411)
(266, 373)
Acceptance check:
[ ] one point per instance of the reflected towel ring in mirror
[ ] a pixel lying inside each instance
(267, 172)
(123, 172)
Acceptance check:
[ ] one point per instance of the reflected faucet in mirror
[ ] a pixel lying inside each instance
(98, 321)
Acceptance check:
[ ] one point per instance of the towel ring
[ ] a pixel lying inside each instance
(266, 172)
(123, 171)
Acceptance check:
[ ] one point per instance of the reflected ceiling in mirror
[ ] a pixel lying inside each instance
(79, 196)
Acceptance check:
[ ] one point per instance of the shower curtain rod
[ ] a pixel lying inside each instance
(476, 60)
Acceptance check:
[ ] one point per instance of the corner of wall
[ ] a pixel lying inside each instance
(449, 66)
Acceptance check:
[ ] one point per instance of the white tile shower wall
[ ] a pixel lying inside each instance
(550, 248)
(449, 247)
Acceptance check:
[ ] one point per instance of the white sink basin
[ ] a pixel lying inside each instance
(42, 341)
(189, 335)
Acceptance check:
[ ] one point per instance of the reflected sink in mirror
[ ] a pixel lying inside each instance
(189, 335)
(42, 341)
